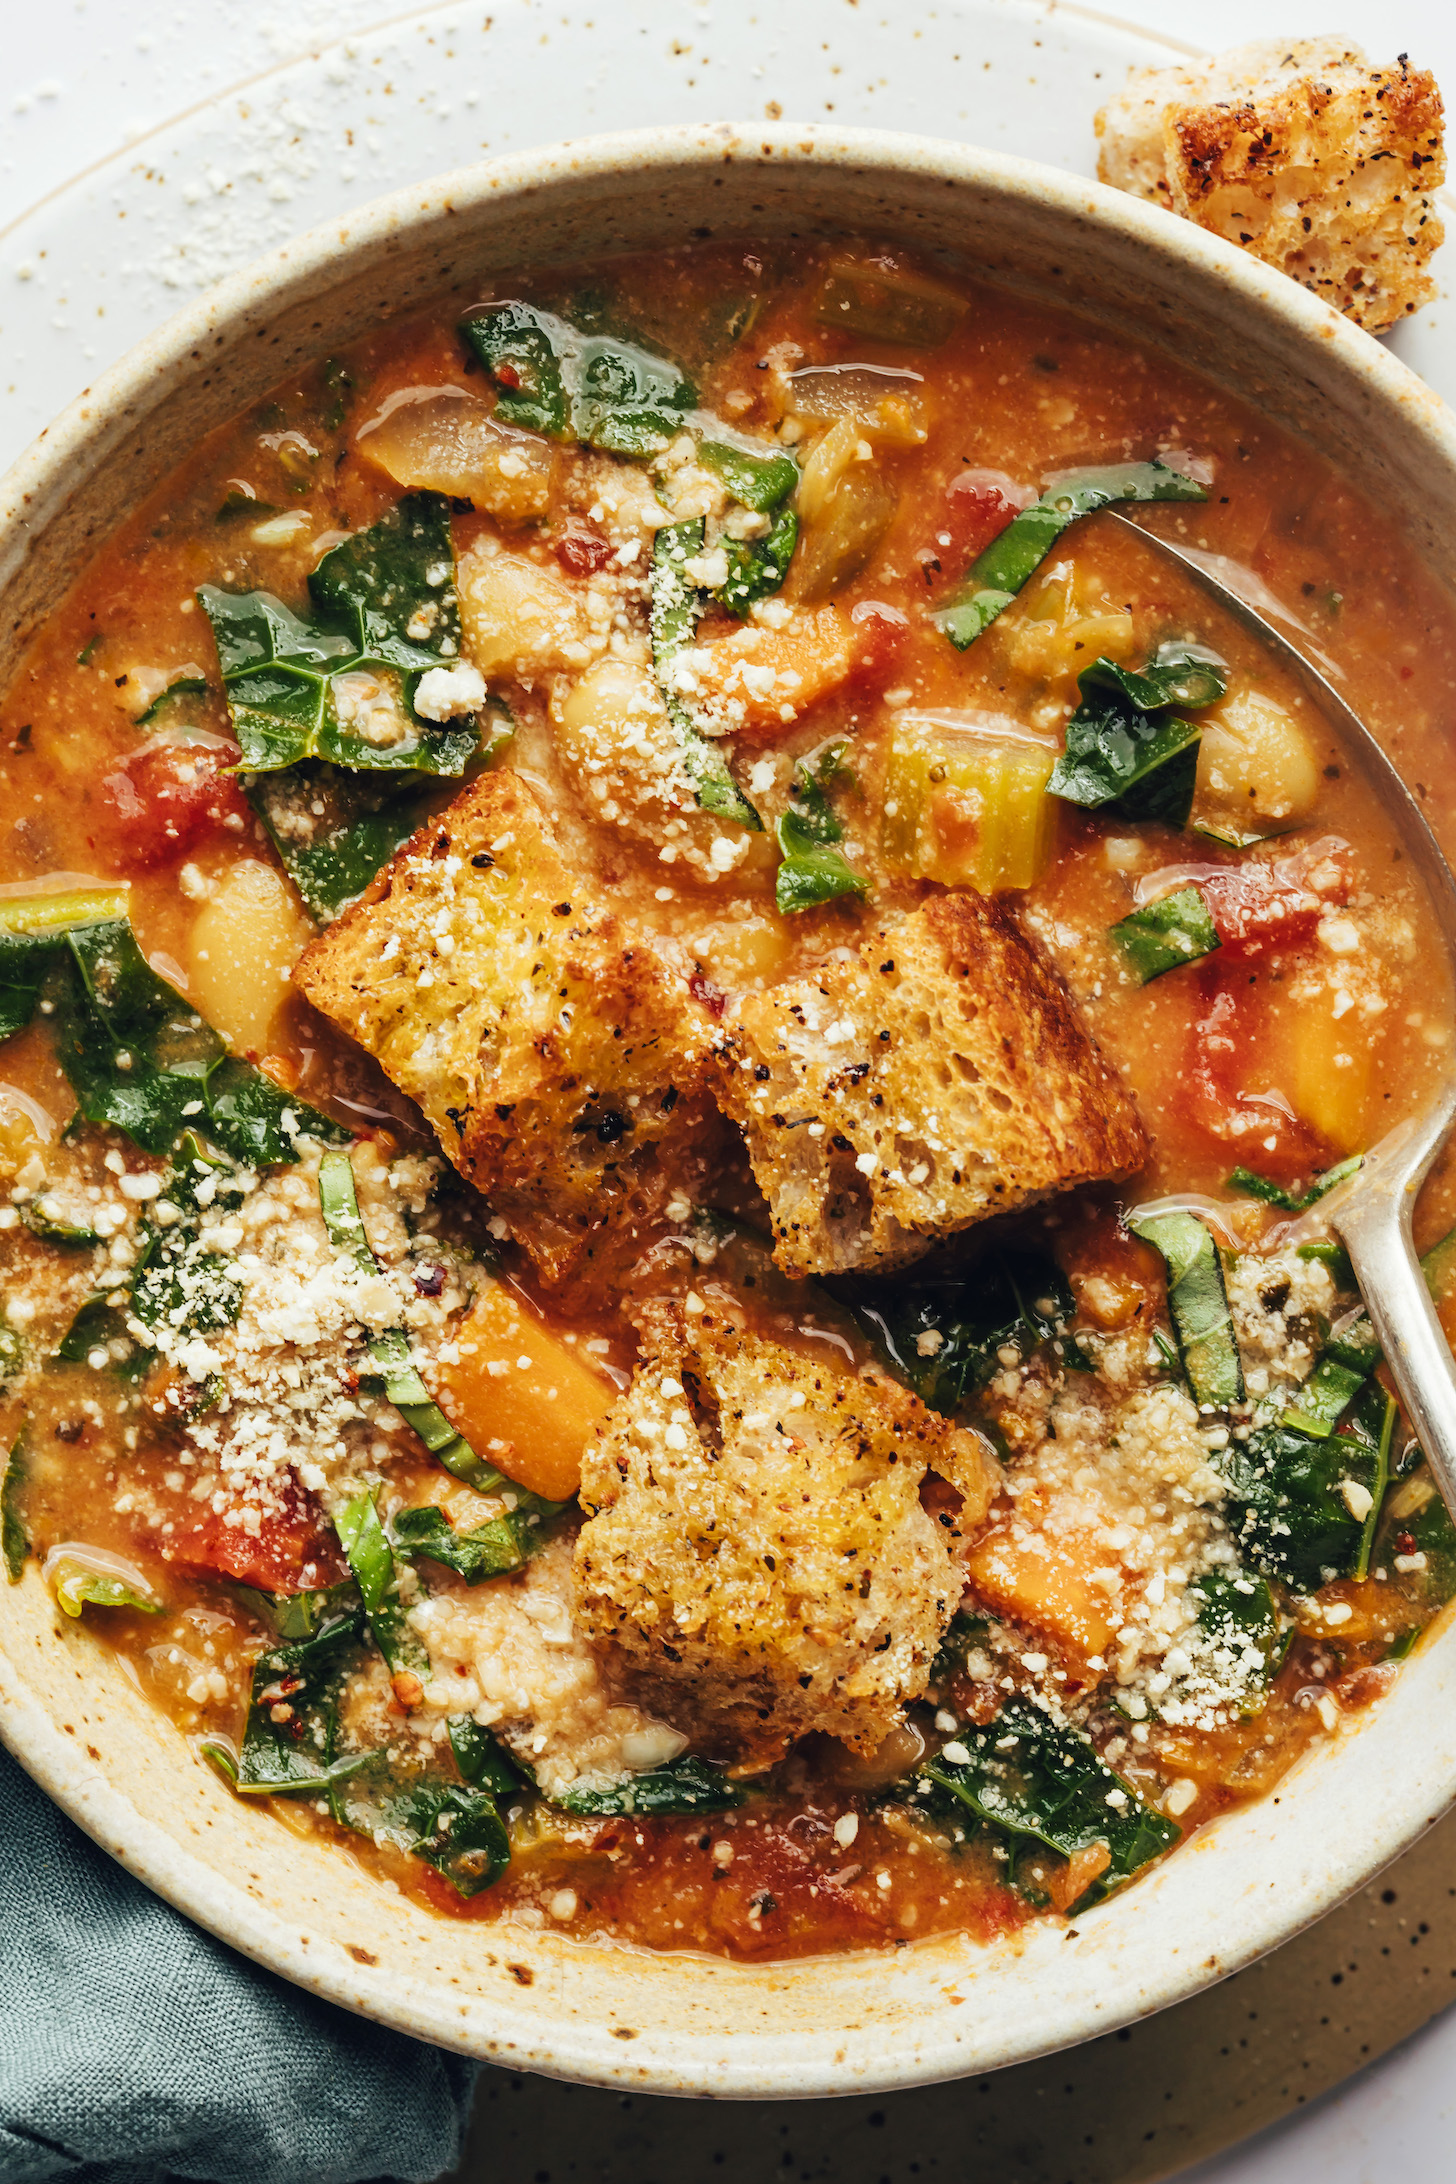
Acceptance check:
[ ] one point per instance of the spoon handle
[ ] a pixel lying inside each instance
(1376, 1230)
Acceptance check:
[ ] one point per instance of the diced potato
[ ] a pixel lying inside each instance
(524, 1399)
(1326, 1072)
(763, 679)
(241, 951)
(889, 303)
(1049, 1585)
(1255, 762)
(445, 440)
(966, 802)
(622, 752)
(518, 618)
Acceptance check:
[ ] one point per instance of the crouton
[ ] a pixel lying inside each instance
(1314, 161)
(559, 1060)
(943, 1077)
(756, 1538)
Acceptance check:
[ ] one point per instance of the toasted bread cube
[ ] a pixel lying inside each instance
(757, 1541)
(559, 1060)
(942, 1078)
(1304, 154)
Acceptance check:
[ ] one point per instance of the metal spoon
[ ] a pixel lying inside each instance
(1372, 1212)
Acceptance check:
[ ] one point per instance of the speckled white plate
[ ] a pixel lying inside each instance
(90, 270)
(69, 1710)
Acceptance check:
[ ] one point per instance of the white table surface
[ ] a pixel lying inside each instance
(85, 79)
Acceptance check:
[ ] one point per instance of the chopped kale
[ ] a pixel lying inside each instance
(454, 1827)
(340, 685)
(687, 1784)
(945, 1337)
(1030, 1781)
(1197, 1306)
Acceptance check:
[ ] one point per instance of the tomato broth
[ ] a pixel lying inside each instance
(522, 1486)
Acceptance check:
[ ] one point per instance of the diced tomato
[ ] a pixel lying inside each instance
(1230, 1076)
(1265, 907)
(879, 640)
(976, 507)
(290, 1552)
(581, 550)
(163, 799)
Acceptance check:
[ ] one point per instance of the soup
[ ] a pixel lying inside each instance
(675, 1037)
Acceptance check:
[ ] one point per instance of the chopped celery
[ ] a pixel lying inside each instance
(966, 802)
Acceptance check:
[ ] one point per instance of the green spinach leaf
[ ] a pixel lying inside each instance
(998, 574)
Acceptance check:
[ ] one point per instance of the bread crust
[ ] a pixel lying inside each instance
(1304, 155)
(943, 1077)
(560, 1059)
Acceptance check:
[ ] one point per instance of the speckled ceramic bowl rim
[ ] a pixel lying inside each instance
(536, 2000)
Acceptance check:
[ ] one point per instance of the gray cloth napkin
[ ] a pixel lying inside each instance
(135, 2049)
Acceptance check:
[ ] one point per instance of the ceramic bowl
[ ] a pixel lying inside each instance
(68, 1708)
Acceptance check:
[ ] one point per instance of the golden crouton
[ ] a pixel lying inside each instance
(757, 1539)
(1303, 153)
(943, 1077)
(554, 1053)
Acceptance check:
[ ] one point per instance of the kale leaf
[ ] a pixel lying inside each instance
(290, 1739)
(1031, 1781)
(946, 1337)
(1011, 559)
(1161, 936)
(687, 1784)
(340, 685)
(1129, 752)
(813, 869)
(454, 1827)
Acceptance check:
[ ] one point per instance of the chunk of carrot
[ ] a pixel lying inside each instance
(763, 679)
(524, 1399)
(1047, 1584)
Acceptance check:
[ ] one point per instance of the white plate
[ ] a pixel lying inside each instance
(86, 273)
